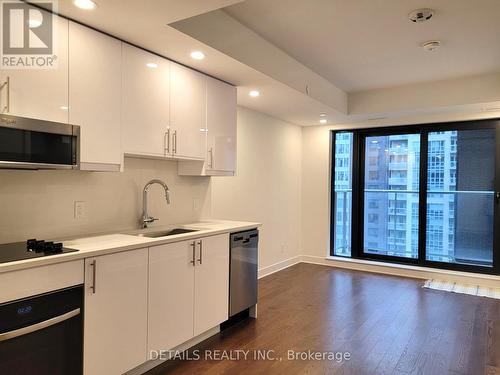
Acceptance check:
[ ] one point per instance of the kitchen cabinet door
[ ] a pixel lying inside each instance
(211, 299)
(115, 319)
(171, 293)
(187, 112)
(145, 102)
(41, 93)
(95, 96)
(221, 126)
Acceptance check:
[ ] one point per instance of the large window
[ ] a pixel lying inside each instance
(391, 195)
(342, 194)
(425, 195)
(460, 196)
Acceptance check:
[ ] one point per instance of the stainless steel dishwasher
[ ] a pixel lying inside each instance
(243, 271)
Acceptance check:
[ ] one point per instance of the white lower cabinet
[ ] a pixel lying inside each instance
(211, 280)
(115, 328)
(188, 290)
(170, 296)
(153, 299)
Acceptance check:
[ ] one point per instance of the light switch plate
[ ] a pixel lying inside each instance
(80, 210)
(196, 204)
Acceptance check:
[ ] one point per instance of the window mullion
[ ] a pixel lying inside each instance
(422, 209)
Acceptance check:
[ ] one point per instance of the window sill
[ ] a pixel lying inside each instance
(409, 270)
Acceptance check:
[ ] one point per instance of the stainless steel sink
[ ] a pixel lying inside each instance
(165, 233)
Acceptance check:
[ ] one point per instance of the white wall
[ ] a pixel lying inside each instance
(41, 203)
(267, 187)
(428, 96)
(316, 175)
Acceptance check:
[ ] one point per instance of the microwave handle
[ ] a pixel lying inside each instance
(38, 326)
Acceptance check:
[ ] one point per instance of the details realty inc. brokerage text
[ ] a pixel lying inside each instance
(248, 355)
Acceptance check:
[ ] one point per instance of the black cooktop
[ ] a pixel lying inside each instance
(10, 252)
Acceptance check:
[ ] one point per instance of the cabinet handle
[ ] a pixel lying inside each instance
(200, 259)
(193, 246)
(211, 153)
(174, 140)
(93, 264)
(497, 197)
(6, 84)
(166, 140)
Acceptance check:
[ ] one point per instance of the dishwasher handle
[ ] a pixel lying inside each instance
(245, 238)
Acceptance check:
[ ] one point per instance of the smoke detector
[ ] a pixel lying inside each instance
(421, 15)
(431, 45)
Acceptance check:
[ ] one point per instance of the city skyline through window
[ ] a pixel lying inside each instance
(457, 196)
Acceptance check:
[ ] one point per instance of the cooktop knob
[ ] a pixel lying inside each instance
(31, 244)
(58, 247)
(48, 247)
(40, 246)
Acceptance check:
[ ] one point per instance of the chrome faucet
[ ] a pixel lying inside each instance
(146, 219)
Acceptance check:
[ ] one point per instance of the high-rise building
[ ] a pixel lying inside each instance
(391, 195)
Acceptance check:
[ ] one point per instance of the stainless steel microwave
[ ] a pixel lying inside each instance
(27, 143)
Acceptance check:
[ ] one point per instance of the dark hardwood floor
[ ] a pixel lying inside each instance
(388, 325)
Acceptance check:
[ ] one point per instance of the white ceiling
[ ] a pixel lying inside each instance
(145, 23)
(283, 83)
(366, 44)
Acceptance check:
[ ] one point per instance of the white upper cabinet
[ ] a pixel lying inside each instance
(221, 126)
(145, 102)
(221, 129)
(95, 96)
(41, 93)
(187, 113)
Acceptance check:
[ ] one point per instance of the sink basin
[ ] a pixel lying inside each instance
(165, 233)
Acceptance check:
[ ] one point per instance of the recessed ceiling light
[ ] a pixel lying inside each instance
(84, 4)
(323, 121)
(197, 55)
(431, 45)
(254, 93)
(64, 107)
(322, 115)
(152, 65)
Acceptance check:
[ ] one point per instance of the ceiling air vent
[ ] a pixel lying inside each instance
(421, 15)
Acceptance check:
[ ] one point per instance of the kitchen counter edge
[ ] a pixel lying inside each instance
(136, 242)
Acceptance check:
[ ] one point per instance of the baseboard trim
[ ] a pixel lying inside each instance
(268, 270)
(404, 270)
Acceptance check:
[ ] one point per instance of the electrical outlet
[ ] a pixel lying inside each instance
(80, 210)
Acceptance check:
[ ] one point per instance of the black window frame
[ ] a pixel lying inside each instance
(357, 178)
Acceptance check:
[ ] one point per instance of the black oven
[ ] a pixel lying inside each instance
(43, 335)
(36, 144)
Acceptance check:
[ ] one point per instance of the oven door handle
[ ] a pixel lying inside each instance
(38, 326)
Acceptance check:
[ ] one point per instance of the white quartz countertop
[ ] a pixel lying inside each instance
(115, 242)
